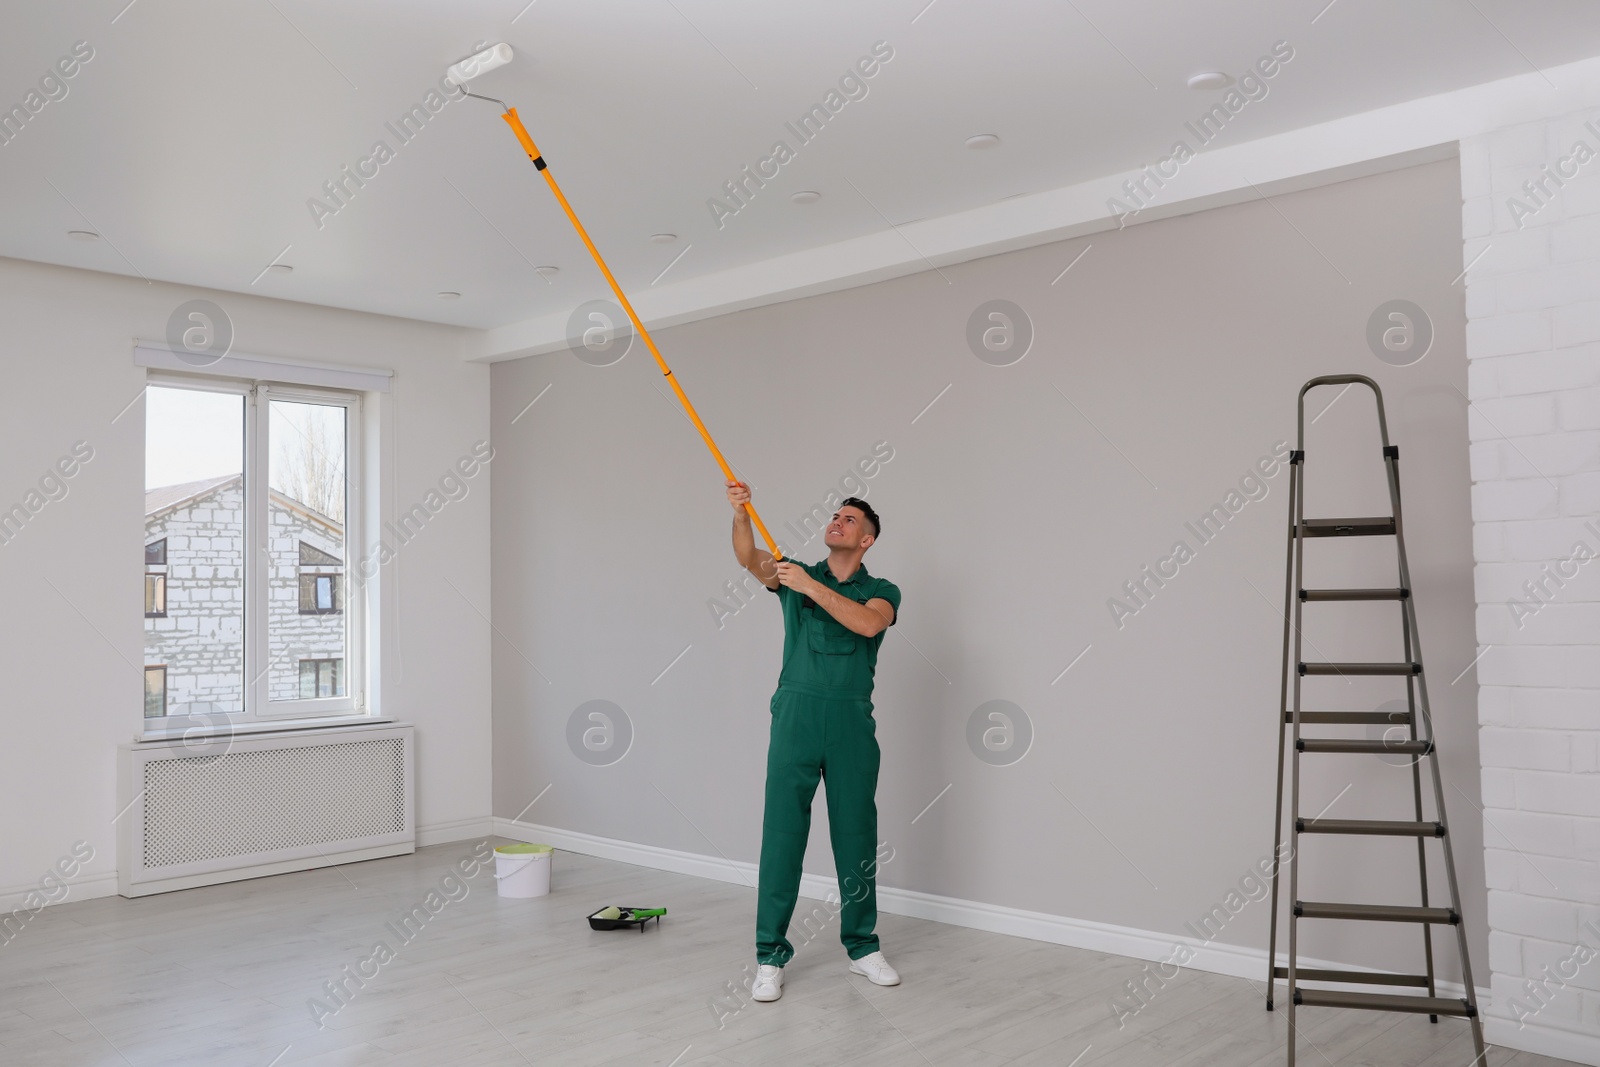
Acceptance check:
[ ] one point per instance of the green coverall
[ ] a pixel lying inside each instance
(822, 727)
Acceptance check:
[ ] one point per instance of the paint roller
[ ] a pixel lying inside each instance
(629, 914)
(498, 56)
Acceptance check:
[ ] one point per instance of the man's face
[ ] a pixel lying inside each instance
(848, 529)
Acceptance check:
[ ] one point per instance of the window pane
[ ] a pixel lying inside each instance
(306, 549)
(321, 678)
(155, 692)
(155, 595)
(312, 556)
(194, 506)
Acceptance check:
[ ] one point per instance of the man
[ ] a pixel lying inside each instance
(834, 618)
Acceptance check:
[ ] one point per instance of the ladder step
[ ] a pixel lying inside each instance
(1317, 974)
(1369, 527)
(1343, 744)
(1394, 913)
(1331, 998)
(1354, 594)
(1350, 718)
(1369, 827)
(1360, 668)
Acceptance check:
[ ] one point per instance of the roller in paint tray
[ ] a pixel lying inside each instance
(619, 918)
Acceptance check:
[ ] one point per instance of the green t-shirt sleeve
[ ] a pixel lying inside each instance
(890, 592)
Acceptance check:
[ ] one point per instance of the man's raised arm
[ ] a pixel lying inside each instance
(758, 561)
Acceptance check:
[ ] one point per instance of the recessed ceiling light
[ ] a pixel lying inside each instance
(447, 295)
(280, 268)
(83, 235)
(806, 196)
(1211, 79)
(663, 238)
(983, 140)
(547, 272)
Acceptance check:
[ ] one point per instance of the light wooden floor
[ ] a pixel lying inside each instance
(221, 976)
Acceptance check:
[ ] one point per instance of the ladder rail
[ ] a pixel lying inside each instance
(1425, 710)
(1298, 460)
(1341, 379)
(1416, 794)
(1283, 706)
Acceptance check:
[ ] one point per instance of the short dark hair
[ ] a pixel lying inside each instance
(866, 509)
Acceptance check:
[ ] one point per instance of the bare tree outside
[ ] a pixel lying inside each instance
(308, 462)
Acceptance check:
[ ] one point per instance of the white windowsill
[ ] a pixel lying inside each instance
(255, 728)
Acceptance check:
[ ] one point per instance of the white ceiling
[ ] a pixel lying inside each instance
(197, 133)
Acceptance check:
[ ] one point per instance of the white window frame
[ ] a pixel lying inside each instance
(260, 711)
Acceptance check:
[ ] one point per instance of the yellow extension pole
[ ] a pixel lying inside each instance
(538, 161)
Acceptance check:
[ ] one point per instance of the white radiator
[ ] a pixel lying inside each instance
(220, 810)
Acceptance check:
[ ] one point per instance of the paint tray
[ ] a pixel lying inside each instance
(626, 919)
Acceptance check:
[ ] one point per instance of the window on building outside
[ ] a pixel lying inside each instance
(155, 692)
(321, 678)
(319, 581)
(312, 556)
(155, 595)
(319, 594)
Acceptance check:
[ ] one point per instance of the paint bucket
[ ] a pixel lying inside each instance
(523, 870)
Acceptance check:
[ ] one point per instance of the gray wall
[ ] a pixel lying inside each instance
(1011, 520)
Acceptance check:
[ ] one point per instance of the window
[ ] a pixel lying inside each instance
(248, 508)
(319, 581)
(320, 678)
(155, 578)
(312, 556)
(155, 595)
(155, 692)
(319, 594)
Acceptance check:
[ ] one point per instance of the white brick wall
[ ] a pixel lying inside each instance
(1533, 342)
(201, 638)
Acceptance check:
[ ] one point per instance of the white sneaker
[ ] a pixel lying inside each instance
(876, 969)
(768, 985)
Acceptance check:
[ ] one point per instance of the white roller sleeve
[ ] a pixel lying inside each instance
(480, 63)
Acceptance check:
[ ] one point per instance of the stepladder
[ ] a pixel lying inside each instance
(1325, 734)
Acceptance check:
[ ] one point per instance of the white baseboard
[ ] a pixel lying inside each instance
(104, 884)
(440, 833)
(151, 886)
(1544, 1038)
(83, 887)
(1215, 957)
